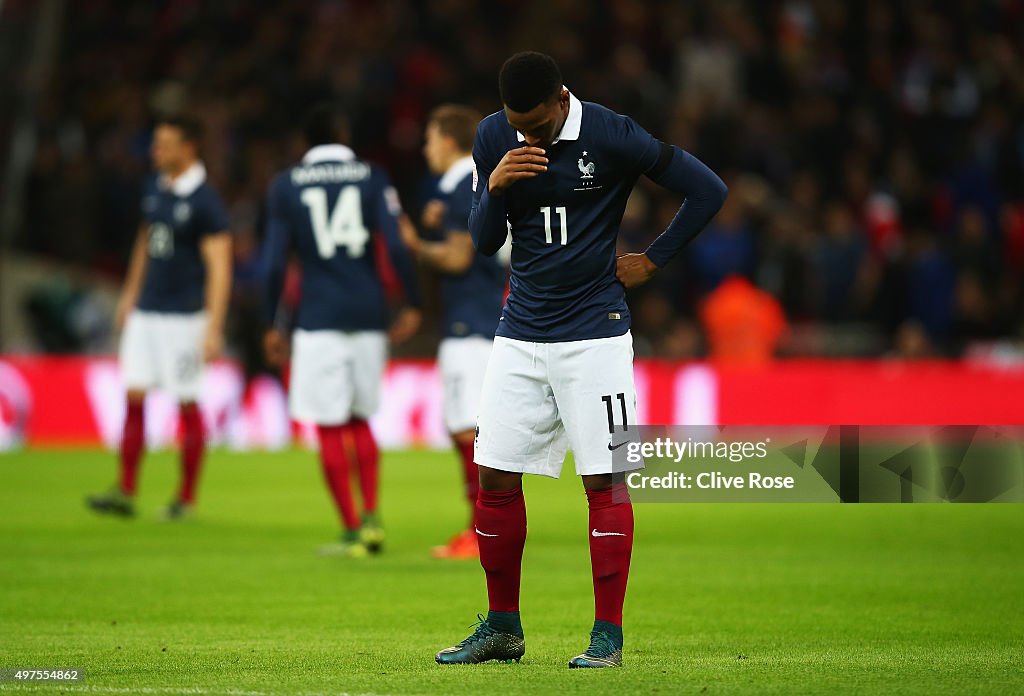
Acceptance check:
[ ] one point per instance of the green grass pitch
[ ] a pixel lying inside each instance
(724, 599)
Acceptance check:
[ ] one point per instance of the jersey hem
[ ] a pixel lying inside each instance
(527, 339)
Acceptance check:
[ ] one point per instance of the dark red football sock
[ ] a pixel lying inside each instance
(336, 473)
(611, 543)
(501, 533)
(133, 440)
(469, 471)
(368, 461)
(193, 444)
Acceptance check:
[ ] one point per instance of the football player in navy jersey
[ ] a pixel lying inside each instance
(172, 307)
(332, 210)
(472, 288)
(560, 374)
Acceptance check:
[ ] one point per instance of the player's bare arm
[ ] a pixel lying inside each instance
(521, 163)
(453, 255)
(405, 325)
(275, 347)
(216, 253)
(133, 280)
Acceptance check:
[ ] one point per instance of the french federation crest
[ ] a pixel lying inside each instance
(182, 212)
(586, 168)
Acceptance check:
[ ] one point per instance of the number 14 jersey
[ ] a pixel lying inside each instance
(332, 210)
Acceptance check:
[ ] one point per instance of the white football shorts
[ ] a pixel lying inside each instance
(163, 350)
(463, 363)
(540, 399)
(336, 375)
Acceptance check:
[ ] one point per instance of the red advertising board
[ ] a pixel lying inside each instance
(80, 401)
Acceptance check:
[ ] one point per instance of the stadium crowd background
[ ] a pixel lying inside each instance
(874, 150)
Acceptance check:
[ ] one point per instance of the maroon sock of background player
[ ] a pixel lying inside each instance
(193, 444)
(611, 544)
(470, 473)
(133, 440)
(368, 461)
(501, 533)
(336, 473)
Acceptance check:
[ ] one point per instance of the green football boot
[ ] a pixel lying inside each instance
(177, 511)
(371, 533)
(485, 644)
(603, 652)
(113, 502)
(349, 546)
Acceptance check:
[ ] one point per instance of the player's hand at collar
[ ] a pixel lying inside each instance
(634, 269)
(406, 324)
(521, 163)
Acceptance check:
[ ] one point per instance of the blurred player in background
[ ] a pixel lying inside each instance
(472, 287)
(561, 371)
(172, 307)
(334, 211)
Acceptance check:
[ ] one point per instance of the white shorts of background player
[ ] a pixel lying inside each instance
(163, 350)
(336, 375)
(463, 364)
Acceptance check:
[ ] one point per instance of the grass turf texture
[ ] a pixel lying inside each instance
(723, 598)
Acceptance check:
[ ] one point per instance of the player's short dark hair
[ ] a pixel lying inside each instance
(190, 127)
(528, 79)
(324, 124)
(457, 122)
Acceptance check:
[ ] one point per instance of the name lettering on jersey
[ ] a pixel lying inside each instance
(587, 170)
(476, 177)
(330, 172)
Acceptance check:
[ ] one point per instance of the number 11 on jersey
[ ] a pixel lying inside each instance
(560, 210)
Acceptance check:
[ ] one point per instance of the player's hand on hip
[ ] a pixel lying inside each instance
(521, 163)
(275, 348)
(406, 323)
(634, 269)
(213, 344)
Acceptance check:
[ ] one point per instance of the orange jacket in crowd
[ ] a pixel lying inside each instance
(743, 323)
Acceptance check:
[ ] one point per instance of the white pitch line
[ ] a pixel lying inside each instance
(170, 690)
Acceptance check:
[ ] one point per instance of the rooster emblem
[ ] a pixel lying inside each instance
(586, 168)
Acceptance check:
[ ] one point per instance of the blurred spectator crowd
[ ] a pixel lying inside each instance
(874, 150)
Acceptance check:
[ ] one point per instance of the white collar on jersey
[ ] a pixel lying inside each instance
(328, 153)
(571, 127)
(459, 170)
(187, 182)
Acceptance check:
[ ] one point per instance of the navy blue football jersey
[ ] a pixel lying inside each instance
(332, 210)
(177, 217)
(565, 222)
(471, 301)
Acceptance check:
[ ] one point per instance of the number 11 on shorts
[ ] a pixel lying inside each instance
(607, 399)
